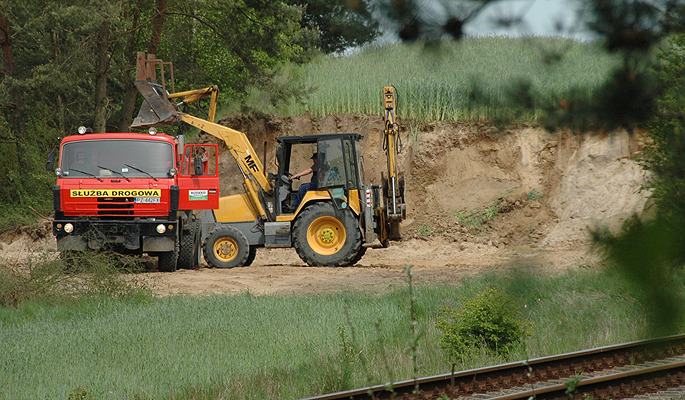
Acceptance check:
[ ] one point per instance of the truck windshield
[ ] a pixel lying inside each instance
(117, 158)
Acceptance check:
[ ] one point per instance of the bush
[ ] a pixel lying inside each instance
(489, 320)
(81, 275)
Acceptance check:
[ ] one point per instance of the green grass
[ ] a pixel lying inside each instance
(485, 78)
(245, 347)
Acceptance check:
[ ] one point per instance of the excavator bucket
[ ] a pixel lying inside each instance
(157, 109)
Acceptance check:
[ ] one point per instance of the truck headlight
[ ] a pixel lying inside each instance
(68, 227)
(161, 228)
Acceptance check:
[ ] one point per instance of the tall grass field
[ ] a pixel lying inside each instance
(247, 347)
(480, 78)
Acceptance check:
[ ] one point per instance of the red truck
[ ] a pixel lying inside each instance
(134, 193)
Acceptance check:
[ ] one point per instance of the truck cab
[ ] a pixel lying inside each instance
(133, 193)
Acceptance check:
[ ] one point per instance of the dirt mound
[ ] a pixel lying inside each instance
(21, 243)
(478, 196)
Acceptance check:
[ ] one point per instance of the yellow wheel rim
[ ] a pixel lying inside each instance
(225, 249)
(326, 235)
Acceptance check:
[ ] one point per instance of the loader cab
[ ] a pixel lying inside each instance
(338, 167)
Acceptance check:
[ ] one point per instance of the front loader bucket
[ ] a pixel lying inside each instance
(156, 110)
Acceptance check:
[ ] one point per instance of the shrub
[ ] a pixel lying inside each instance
(490, 320)
(80, 275)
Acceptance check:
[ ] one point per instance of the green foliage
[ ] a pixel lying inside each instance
(665, 153)
(479, 218)
(81, 393)
(484, 78)
(77, 276)
(56, 44)
(339, 24)
(534, 195)
(206, 50)
(426, 230)
(650, 255)
(489, 320)
(191, 347)
(572, 385)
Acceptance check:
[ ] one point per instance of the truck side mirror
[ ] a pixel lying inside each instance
(50, 164)
(197, 166)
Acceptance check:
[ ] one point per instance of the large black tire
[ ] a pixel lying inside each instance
(325, 236)
(168, 261)
(188, 256)
(226, 247)
(360, 254)
(251, 256)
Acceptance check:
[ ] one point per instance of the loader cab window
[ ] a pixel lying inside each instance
(360, 163)
(337, 163)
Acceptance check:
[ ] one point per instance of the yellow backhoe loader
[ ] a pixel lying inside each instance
(330, 225)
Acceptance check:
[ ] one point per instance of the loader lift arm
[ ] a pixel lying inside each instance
(158, 110)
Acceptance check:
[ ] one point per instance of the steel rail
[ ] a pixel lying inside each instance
(612, 386)
(520, 373)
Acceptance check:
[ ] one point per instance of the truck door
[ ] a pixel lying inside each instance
(198, 178)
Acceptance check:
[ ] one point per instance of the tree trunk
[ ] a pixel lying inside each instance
(129, 104)
(131, 93)
(101, 101)
(157, 25)
(128, 107)
(6, 45)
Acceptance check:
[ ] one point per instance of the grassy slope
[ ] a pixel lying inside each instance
(468, 79)
(283, 347)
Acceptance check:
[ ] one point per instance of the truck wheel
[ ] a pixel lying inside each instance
(188, 256)
(226, 247)
(167, 261)
(325, 236)
(198, 243)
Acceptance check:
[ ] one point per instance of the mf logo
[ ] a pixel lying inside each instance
(251, 164)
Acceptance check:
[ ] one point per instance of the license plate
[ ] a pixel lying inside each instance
(147, 200)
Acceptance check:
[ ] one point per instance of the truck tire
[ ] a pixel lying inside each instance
(188, 256)
(226, 247)
(325, 236)
(168, 260)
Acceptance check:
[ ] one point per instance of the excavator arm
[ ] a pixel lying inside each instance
(393, 187)
(158, 110)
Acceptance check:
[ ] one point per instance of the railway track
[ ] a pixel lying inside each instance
(645, 370)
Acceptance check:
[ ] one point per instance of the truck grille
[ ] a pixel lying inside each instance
(115, 205)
